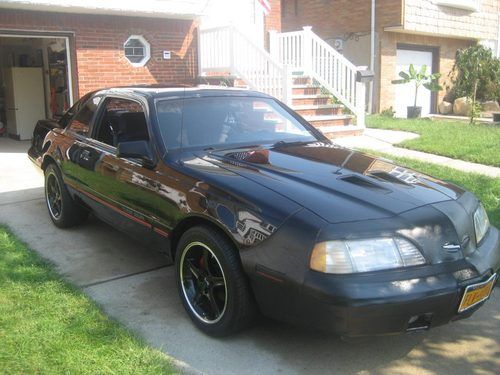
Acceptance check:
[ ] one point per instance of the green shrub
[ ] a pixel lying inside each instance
(476, 74)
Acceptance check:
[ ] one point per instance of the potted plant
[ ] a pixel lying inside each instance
(421, 78)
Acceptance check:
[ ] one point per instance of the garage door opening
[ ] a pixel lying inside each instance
(405, 93)
(35, 81)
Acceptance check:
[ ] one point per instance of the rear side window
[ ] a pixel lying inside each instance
(81, 122)
(170, 120)
(122, 120)
(70, 113)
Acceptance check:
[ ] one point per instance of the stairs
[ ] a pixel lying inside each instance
(317, 109)
(300, 69)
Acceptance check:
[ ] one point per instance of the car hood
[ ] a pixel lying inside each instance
(336, 183)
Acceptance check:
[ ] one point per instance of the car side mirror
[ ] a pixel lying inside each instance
(137, 150)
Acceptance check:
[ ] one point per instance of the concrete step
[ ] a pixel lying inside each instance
(306, 90)
(319, 110)
(333, 132)
(334, 120)
(298, 100)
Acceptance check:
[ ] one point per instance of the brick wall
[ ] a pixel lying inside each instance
(334, 18)
(97, 47)
(272, 21)
(387, 68)
(428, 17)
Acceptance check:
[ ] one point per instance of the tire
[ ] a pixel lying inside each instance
(63, 210)
(215, 308)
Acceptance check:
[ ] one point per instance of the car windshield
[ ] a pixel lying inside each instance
(224, 122)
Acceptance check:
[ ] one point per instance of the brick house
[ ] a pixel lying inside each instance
(406, 31)
(52, 52)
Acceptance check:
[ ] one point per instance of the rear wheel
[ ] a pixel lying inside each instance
(212, 286)
(63, 210)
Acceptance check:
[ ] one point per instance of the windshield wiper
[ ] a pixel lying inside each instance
(231, 148)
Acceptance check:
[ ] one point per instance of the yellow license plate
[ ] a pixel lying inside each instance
(477, 293)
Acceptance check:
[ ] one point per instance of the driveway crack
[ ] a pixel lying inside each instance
(123, 276)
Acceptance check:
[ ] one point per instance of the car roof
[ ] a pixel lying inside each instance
(160, 92)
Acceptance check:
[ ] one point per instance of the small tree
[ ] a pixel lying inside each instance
(421, 78)
(476, 75)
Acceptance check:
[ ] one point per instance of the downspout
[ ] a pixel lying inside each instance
(372, 57)
(498, 33)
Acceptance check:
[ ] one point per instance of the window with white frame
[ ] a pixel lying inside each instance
(137, 50)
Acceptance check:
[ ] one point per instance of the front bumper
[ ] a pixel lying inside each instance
(379, 303)
(394, 302)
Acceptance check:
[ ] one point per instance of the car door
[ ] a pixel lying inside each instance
(128, 188)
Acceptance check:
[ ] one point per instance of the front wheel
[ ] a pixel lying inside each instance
(63, 210)
(212, 286)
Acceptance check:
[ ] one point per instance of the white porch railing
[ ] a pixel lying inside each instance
(306, 51)
(227, 49)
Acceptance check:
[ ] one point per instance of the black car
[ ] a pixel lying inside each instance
(260, 212)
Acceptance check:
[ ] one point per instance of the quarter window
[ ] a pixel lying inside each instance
(137, 50)
(81, 122)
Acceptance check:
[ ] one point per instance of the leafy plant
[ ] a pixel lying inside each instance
(421, 78)
(476, 75)
(477, 71)
(388, 112)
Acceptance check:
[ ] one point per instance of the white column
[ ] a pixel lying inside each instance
(360, 103)
(307, 49)
(287, 85)
(273, 44)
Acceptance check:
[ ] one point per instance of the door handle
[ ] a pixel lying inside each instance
(12, 109)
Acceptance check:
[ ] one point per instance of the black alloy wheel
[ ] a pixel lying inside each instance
(213, 288)
(53, 194)
(203, 282)
(63, 210)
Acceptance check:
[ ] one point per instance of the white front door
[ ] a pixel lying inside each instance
(405, 94)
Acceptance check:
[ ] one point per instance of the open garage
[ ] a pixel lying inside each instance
(50, 59)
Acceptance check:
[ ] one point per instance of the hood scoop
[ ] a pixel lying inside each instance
(387, 177)
(365, 183)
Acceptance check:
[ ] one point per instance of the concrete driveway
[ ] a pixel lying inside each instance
(133, 286)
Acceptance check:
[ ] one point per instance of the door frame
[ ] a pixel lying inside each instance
(45, 35)
(435, 64)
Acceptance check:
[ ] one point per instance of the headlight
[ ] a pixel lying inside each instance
(341, 257)
(481, 223)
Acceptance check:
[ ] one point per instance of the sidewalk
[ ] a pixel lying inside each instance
(384, 140)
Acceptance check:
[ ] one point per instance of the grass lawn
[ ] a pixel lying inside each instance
(478, 143)
(487, 189)
(48, 326)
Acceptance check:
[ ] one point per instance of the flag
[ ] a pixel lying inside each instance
(266, 7)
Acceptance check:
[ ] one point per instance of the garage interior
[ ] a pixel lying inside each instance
(35, 82)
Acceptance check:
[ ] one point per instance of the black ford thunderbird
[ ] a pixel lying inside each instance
(260, 212)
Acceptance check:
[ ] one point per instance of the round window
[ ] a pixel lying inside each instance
(137, 50)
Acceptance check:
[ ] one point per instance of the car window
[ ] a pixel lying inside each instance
(121, 120)
(217, 121)
(169, 114)
(80, 124)
(68, 115)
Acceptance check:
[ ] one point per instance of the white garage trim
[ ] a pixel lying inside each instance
(42, 35)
